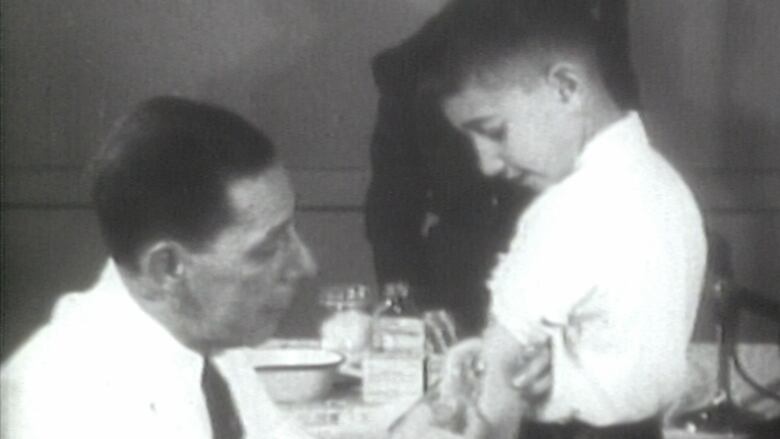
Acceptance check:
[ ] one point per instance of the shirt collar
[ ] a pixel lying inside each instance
(626, 131)
(139, 331)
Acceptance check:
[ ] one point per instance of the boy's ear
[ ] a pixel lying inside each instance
(566, 79)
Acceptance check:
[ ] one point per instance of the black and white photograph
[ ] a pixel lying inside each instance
(401, 219)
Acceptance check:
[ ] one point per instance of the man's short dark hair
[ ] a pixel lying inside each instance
(476, 36)
(164, 170)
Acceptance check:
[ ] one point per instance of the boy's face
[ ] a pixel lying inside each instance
(526, 132)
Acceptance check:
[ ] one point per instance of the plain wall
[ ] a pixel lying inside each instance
(708, 71)
(300, 70)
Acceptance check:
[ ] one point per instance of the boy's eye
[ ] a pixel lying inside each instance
(495, 133)
(264, 252)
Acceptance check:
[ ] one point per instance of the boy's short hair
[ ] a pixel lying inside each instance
(482, 35)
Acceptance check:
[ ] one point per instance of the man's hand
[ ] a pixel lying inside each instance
(431, 420)
(450, 412)
(529, 372)
(462, 370)
(533, 377)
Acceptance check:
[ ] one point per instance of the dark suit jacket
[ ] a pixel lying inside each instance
(421, 167)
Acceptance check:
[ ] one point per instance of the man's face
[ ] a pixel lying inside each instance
(524, 133)
(242, 284)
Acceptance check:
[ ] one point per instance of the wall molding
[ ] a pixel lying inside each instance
(57, 187)
(720, 190)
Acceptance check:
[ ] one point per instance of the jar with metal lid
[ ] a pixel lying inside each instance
(348, 327)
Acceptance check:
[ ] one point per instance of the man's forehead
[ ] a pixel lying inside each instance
(268, 193)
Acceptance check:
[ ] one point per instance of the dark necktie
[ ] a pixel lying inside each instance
(225, 423)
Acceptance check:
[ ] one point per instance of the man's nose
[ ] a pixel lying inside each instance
(302, 263)
(490, 163)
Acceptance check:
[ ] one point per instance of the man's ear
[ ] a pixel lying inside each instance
(567, 80)
(162, 268)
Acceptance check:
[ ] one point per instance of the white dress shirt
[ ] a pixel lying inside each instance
(103, 368)
(609, 264)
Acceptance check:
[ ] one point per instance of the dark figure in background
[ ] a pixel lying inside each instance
(433, 219)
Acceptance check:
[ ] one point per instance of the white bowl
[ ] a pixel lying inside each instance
(294, 375)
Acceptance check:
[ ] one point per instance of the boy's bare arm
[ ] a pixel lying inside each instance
(516, 377)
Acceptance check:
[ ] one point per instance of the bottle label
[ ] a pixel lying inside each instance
(392, 377)
(400, 335)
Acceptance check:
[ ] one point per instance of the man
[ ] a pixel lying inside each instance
(198, 216)
(605, 268)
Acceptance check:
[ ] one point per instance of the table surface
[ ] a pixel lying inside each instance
(343, 415)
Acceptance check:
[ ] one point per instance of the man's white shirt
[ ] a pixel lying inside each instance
(102, 368)
(609, 264)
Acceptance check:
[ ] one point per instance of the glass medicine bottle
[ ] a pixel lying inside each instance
(394, 369)
(397, 325)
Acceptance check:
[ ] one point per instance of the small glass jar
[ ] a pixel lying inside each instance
(348, 327)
